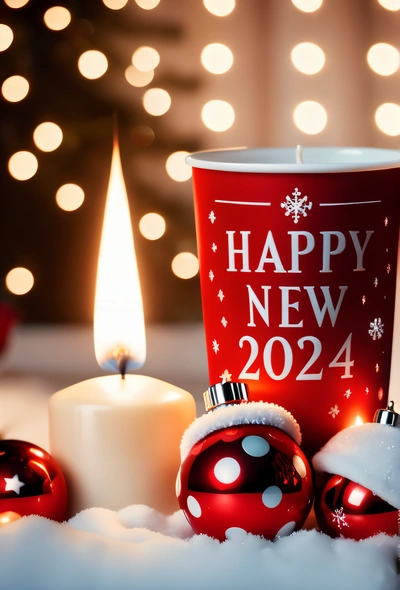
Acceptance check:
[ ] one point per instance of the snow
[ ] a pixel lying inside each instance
(140, 548)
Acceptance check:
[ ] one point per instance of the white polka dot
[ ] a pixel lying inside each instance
(300, 466)
(235, 532)
(286, 530)
(272, 496)
(255, 446)
(227, 470)
(194, 507)
(178, 486)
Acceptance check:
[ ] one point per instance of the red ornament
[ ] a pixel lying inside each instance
(31, 482)
(245, 476)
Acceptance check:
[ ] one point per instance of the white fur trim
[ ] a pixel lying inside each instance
(369, 455)
(235, 415)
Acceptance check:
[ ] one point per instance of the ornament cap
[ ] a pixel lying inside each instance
(388, 416)
(227, 392)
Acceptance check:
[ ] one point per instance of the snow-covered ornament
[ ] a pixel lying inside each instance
(242, 468)
(363, 497)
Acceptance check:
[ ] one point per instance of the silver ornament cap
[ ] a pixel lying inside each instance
(388, 416)
(227, 392)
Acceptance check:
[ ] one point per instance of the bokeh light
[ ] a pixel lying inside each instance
(115, 4)
(384, 59)
(145, 58)
(6, 37)
(15, 88)
(185, 265)
(218, 115)
(219, 7)
(390, 4)
(16, 3)
(142, 135)
(22, 165)
(147, 4)
(92, 64)
(308, 58)
(387, 118)
(217, 58)
(156, 101)
(310, 117)
(70, 197)
(152, 226)
(307, 5)
(19, 280)
(137, 78)
(177, 168)
(57, 18)
(48, 136)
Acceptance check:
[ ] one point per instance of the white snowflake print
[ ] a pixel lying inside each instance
(226, 376)
(215, 346)
(340, 518)
(220, 295)
(296, 207)
(386, 221)
(214, 247)
(334, 411)
(347, 393)
(376, 330)
(367, 390)
(364, 299)
(224, 322)
(211, 275)
(376, 282)
(212, 217)
(377, 367)
(388, 268)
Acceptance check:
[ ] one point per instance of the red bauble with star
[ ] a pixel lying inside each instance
(31, 481)
(363, 497)
(242, 469)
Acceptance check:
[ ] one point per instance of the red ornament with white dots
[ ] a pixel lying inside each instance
(242, 469)
(31, 482)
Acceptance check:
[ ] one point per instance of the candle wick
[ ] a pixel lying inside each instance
(122, 362)
(299, 154)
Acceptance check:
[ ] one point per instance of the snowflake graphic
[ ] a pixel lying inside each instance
(220, 295)
(214, 247)
(367, 390)
(226, 376)
(380, 394)
(364, 299)
(296, 206)
(215, 346)
(376, 330)
(386, 221)
(388, 268)
(377, 367)
(212, 217)
(347, 393)
(334, 411)
(211, 275)
(340, 518)
(224, 322)
(376, 282)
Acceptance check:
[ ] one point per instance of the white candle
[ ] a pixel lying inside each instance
(117, 438)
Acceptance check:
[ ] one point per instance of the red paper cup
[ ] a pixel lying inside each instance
(298, 274)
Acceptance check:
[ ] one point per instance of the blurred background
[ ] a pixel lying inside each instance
(181, 76)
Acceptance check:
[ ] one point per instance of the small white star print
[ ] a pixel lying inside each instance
(376, 282)
(347, 393)
(334, 411)
(214, 247)
(377, 367)
(220, 295)
(226, 376)
(211, 275)
(388, 268)
(13, 484)
(367, 390)
(215, 346)
(224, 322)
(386, 221)
(364, 299)
(212, 217)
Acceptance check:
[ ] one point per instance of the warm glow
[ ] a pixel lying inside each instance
(115, 4)
(138, 78)
(147, 4)
(57, 18)
(358, 421)
(19, 281)
(156, 101)
(307, 5)
(219, 7)
(48, 136)
(6, 37)
(308, 58)
(22, 165)
(310, 117)
(387, 118)
(217, 58)
(390, 4)
(16, 3)
(384, 59)
(8, 517)
(118, 309)
(152, 226)
(70, 197)
(146, 59)
(92, 64)
(218, 115)
(15, 88)
(185, 265)
(177, 168)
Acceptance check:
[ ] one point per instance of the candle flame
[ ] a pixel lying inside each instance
(358, 421)
(119, 332)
